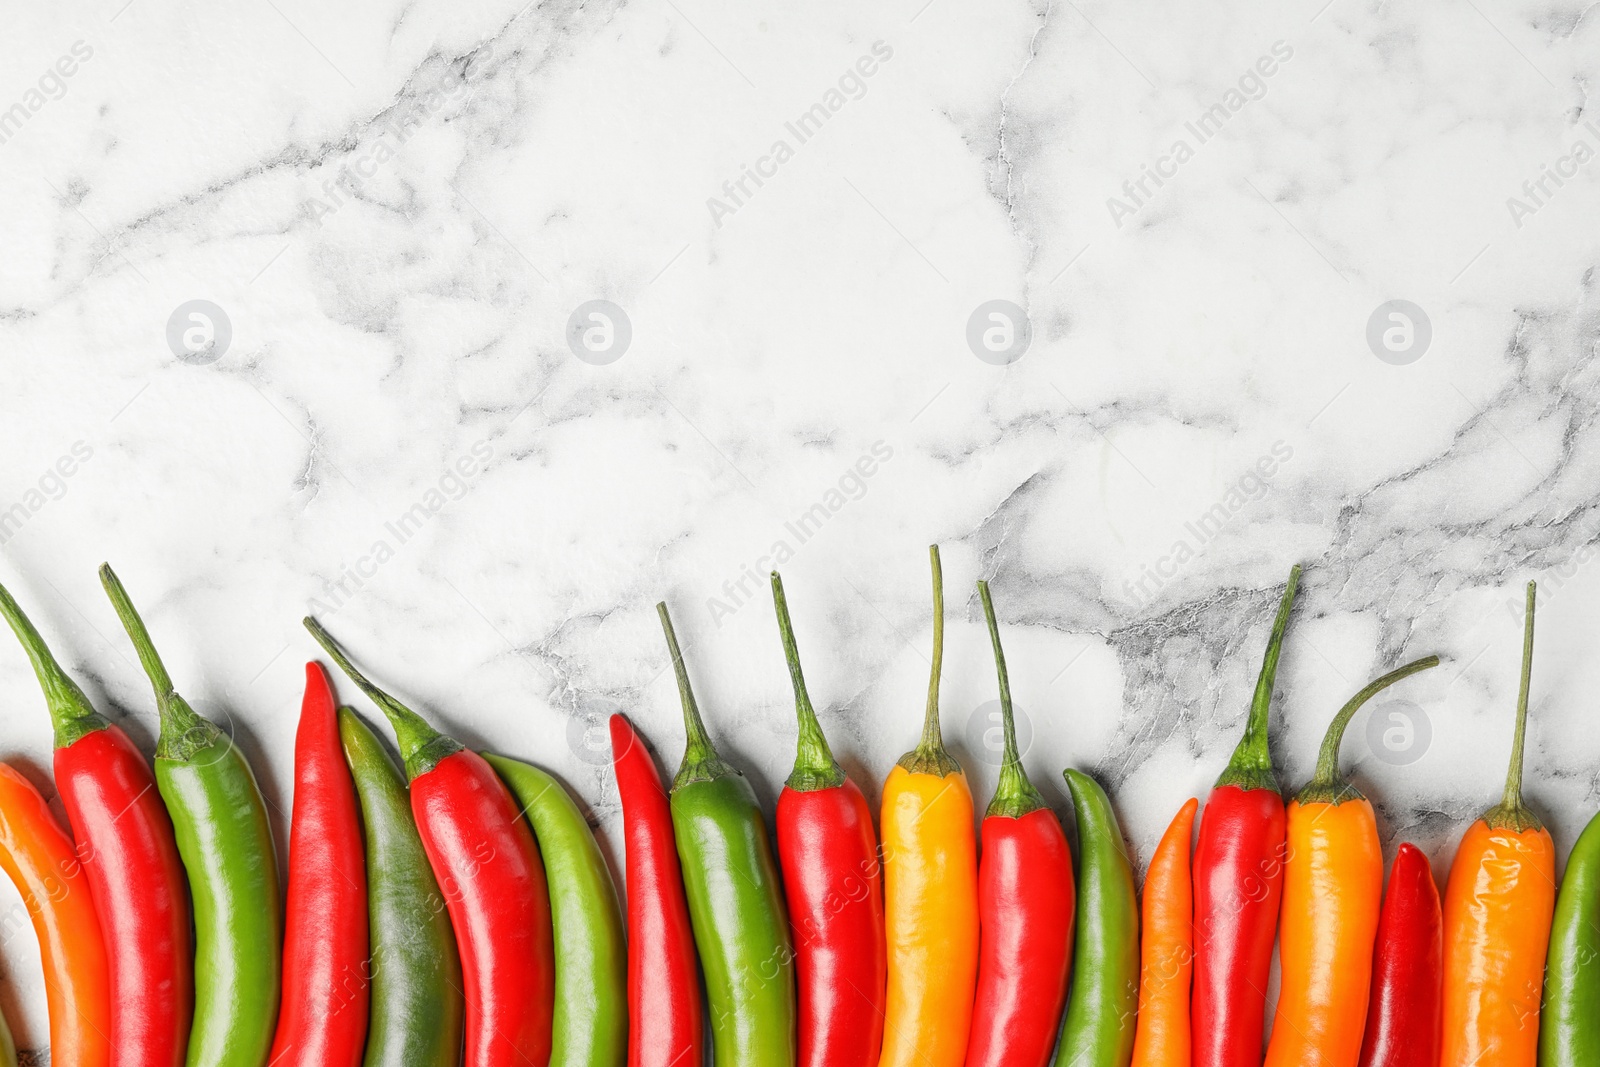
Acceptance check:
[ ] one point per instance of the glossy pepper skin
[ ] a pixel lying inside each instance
(220, 821)
(1238, 880)
(488, 867)
(1498, 908)
(1403, 1008)
(37, 854)
(828, 853)
(1102, 1008)
(735, 898)
(326, 994)
(664, 1004)
(131, 859)
(417, 1006)
(1332, 893)
(590, 1024)
(930, 891)
(1166, 950)
(1026, 898)
(1568, 1032)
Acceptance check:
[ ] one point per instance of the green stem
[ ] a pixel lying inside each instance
(814, 765)
(1326, 787)
(1014, 795)
(421, 746)
(71, 714)
(1511, 813)
(700, 760)
(184, 732)
(930, 755)
(1251, 765)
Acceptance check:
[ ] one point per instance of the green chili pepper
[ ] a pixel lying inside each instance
(225, 840)
(1104, 1002)
(1568, 1034)
(735, 897)
(417, 1007)
(591, 1017)
(8, 1047)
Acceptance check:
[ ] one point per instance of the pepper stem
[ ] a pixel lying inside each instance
(1326, 787)
(184, 732)
(930, 755)
(421, 746)
(1251, 765)
(1014, 795)
(700, 760)
(71, 715)
(1511, 813)
(814, 765)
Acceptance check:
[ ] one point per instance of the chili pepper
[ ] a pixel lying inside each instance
(735, 897)
(8, 1046)
(1567, 1032)
(1025, 908)
(1498, 907)
(220, 821)
(136, 877)
(417, 1007)
(1403, 1008)
(930, 890)
(1332, 892)
(323, 1020)
(488, 867)
(1238, 877)
(664, 1010)
(828, 853)
(591, 950)
(1103, 1007)
(38, 855)
(1166, 951)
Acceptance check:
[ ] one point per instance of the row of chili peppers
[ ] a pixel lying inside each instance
(463, 913)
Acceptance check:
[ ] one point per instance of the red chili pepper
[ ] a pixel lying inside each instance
(1403, 1011)
(487, 863)
(831, 876)
(1238, 884)
(323, 1018)
(665, 1028)
(136, 878)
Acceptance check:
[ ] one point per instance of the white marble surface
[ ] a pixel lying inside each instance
(398, 208)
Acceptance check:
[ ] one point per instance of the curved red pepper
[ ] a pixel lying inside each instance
(323, 1018)
(665, 1028)
(1404, 1010)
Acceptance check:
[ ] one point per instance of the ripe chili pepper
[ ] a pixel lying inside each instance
(323, 1020)
(1103, 1007)
(1403, 1009)
(38, 855)
(1025, 908)
(1332, 892)
(136, 876)
(1498, 908)
(1166, 951)
(417, 1007)
(589, 1028)
(828, 853)
(220, 821)
(1238, 876)
(664, 1010)
(1568, 1035)
(484, 856)
(735, 897)
(930, 890)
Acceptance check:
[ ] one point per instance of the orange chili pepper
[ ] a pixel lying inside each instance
(38, 855)
(930, 883)
(1161, 1038)
(1332, 892)
(1498, 908)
